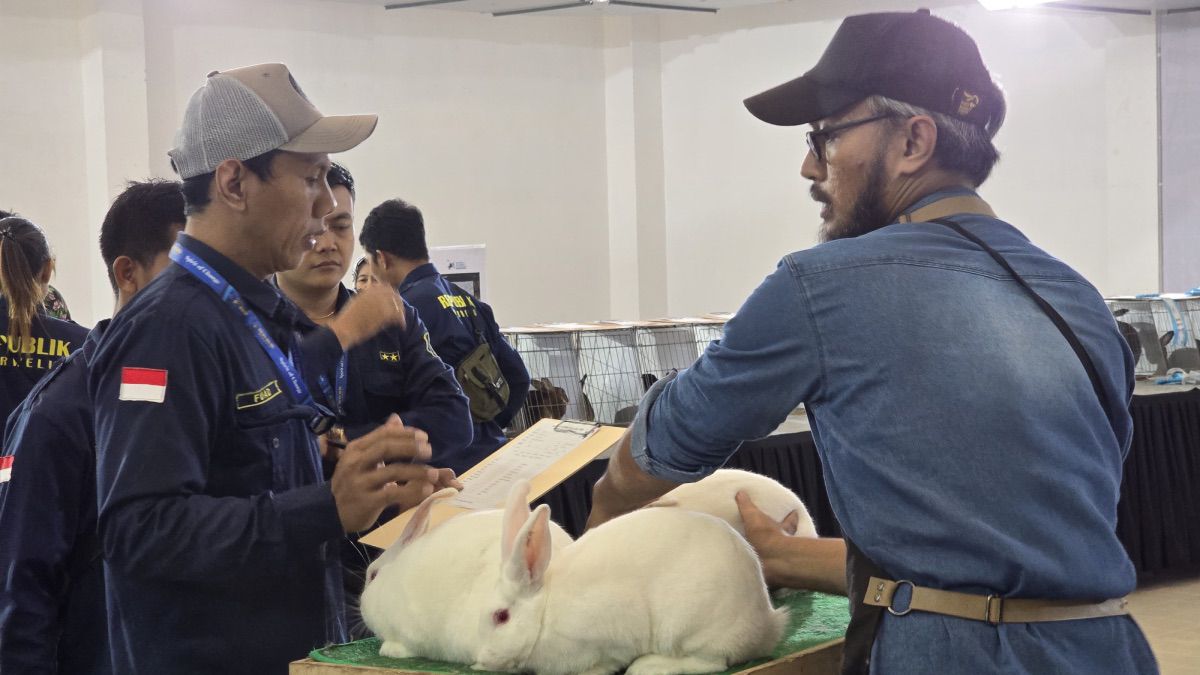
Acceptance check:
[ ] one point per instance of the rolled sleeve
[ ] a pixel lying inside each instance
(638, 433)
(741, 388)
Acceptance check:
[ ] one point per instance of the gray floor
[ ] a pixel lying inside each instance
(1168, 615)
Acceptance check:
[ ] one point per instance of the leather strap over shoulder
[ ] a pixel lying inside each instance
(950, 206)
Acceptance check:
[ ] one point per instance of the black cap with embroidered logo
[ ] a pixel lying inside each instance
(912, 57)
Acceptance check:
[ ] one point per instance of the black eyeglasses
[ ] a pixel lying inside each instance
(817, 139)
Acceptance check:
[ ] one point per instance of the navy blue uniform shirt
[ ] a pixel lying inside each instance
(21, 366)
(448, 313)
(397, 371)
(219, 534)
(52, 615)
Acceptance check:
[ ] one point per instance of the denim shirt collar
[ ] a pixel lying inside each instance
(939, 195)
(259, 294)
(426, 271)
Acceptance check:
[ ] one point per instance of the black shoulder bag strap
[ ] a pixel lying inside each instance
(472, 313)
(864, 619)
(1080, 352)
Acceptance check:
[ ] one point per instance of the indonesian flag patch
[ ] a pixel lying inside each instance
(143, 384)
(6, 464)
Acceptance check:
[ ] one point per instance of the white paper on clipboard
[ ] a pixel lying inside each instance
(523, 458)
(545, 454)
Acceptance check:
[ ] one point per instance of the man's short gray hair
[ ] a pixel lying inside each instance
(961, 147)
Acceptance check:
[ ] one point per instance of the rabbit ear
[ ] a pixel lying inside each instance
(791, 522)
(419, 523)
(526, 565)
(516, 512)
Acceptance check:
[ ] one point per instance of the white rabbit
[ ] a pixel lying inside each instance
(658, 591)
(424, 594)
(715, 494)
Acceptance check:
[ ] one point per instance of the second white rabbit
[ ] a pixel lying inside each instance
(657, 591)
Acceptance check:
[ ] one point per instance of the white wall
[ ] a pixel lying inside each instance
(1079, 166)
(1180, 148)
(495, 129)
(42, 170)
(607, 163)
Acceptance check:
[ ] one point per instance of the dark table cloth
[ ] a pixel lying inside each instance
(1158, 517)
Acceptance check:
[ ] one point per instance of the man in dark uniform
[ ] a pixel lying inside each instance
(394, 239)
(394, 372)
(52, 615)
(218, 531)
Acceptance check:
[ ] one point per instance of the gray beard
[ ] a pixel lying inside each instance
(868, 213)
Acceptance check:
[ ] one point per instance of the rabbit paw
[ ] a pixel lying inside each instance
(395, 650)
(656, 664)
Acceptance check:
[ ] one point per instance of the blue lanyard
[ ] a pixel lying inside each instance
(283, 364)
(336, 395)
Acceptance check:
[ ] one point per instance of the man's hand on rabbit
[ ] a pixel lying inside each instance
(815, 563)
(377, 471)
(768, 537)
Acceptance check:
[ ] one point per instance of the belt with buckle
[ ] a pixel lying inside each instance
(991, 609)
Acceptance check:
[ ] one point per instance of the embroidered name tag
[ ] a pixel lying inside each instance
(257, 398)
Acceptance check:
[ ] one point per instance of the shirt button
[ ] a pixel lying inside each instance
(274, 442)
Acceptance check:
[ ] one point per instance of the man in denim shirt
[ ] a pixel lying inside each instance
(965, 447)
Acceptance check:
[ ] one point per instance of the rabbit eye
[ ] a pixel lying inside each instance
(500, 617)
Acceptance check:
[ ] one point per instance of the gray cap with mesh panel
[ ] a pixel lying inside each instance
(245, 112)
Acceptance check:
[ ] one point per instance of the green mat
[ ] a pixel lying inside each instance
(816, 618)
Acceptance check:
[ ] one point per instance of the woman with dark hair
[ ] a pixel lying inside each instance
(31, 343)
(362, 275)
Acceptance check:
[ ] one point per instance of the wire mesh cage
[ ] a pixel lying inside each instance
(611, 374)
(1148, 325)
(598, 372)
(1183, 349)
(553, 363)
(666, 347)
(707, 333)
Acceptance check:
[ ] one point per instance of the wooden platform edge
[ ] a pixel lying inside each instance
(823, 659)
(312, 667)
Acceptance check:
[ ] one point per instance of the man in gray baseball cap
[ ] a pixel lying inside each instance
(220, 535)
(968, 392)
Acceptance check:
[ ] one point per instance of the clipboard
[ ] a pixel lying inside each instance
(546, 454)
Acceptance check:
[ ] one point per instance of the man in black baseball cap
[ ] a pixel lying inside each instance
(887, 68)
(968, 393)
(908, 56)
